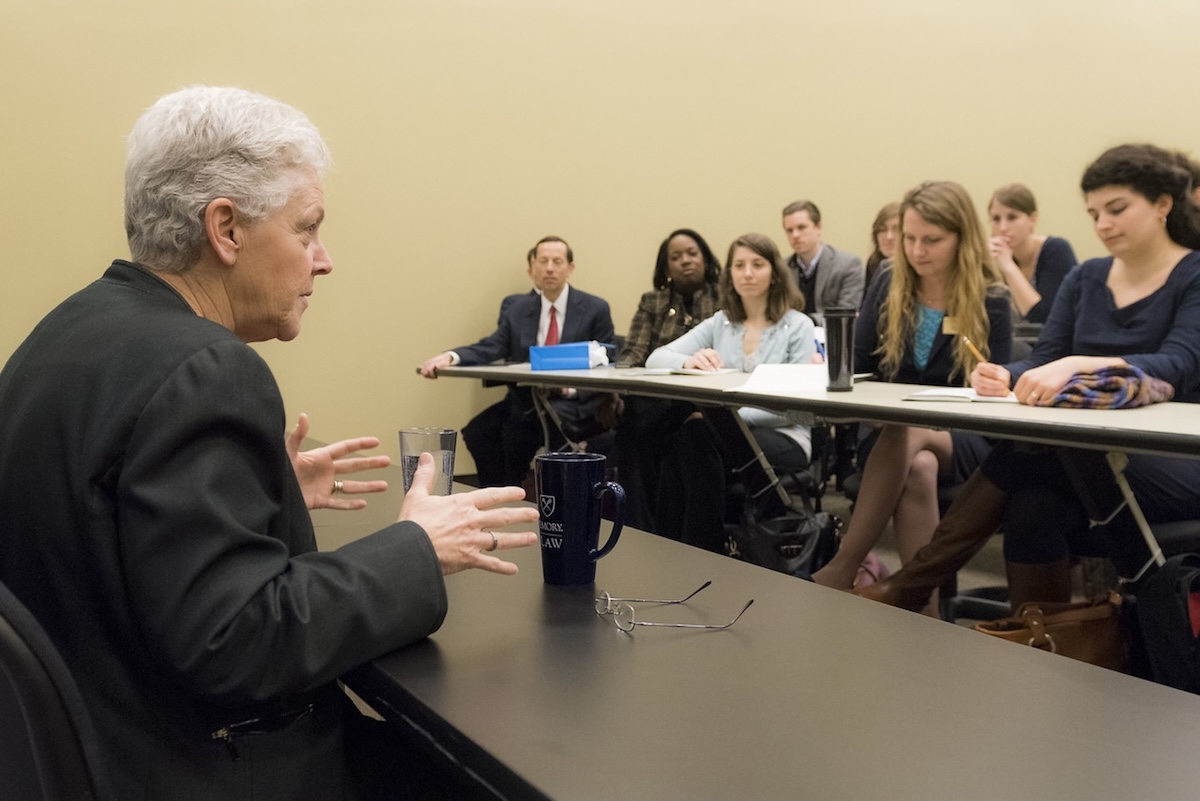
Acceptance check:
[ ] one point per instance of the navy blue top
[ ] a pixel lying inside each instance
(1053, 263)
(1159, 333)
(939, 369)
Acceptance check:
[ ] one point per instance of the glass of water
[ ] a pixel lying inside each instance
(437, 441)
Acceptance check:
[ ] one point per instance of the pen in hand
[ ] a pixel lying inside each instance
(974, 350)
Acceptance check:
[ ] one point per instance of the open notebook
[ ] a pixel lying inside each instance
(958, 394)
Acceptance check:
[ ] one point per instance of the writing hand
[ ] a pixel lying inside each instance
(990, 379)
(704, 359)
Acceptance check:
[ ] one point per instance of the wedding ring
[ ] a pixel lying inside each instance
(337, 487)
(494, 542)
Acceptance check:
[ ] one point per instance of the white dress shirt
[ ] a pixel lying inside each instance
(560, 311)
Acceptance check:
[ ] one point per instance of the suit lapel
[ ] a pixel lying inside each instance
(823, 270)
(570, 331)
(528, 325)
(941, 350)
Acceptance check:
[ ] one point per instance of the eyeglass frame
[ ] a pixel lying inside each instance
(624, 618)
(609, 600)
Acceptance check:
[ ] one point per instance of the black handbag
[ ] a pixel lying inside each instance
(1164, 614)
(799, 542)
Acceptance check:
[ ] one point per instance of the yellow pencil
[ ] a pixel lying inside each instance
(974, 350)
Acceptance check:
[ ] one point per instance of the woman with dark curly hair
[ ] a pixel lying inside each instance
(685, 292)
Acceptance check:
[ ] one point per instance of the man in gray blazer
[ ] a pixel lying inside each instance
(828, 278)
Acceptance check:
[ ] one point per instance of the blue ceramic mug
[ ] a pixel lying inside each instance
(570, 491)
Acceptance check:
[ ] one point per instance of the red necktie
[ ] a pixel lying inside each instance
(552, 330)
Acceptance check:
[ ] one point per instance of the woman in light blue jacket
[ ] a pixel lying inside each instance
(759, 323)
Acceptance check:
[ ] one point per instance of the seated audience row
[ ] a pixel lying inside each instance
(942, 296)
(503, 438)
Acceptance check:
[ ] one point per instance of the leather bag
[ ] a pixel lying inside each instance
(1092, 631)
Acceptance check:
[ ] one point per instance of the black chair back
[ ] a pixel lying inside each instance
(47, 745)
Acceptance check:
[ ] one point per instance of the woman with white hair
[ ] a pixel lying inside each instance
(168, 550)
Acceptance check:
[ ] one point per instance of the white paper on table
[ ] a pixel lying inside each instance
(684, 371)
(785, 379)
(966, 394)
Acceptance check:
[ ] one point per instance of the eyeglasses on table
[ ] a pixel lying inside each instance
(623, 615)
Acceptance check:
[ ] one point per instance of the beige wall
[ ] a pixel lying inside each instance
(465, 129)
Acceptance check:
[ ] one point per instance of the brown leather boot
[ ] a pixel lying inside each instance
(966, 526)
(1043, 582)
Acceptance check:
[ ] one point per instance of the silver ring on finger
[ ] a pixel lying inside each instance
(495, 542)
(338, 487)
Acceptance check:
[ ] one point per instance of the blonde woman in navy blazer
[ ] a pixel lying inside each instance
(942, 286)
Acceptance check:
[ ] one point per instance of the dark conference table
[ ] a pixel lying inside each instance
(812, 694)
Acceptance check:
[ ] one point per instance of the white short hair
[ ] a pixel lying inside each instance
(206, 142)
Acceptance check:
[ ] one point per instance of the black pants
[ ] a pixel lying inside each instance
(693, 487)
(503, 439)
(1047, 519)
(645, 438)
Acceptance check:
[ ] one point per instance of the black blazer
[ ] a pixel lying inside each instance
(939, 370)
(151, 520)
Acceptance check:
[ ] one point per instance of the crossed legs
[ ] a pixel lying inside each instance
(900, 484)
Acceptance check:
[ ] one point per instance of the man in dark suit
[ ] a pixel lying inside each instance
(828, 278)
(504, 437)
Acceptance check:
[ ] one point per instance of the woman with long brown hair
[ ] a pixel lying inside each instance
(758, 323)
